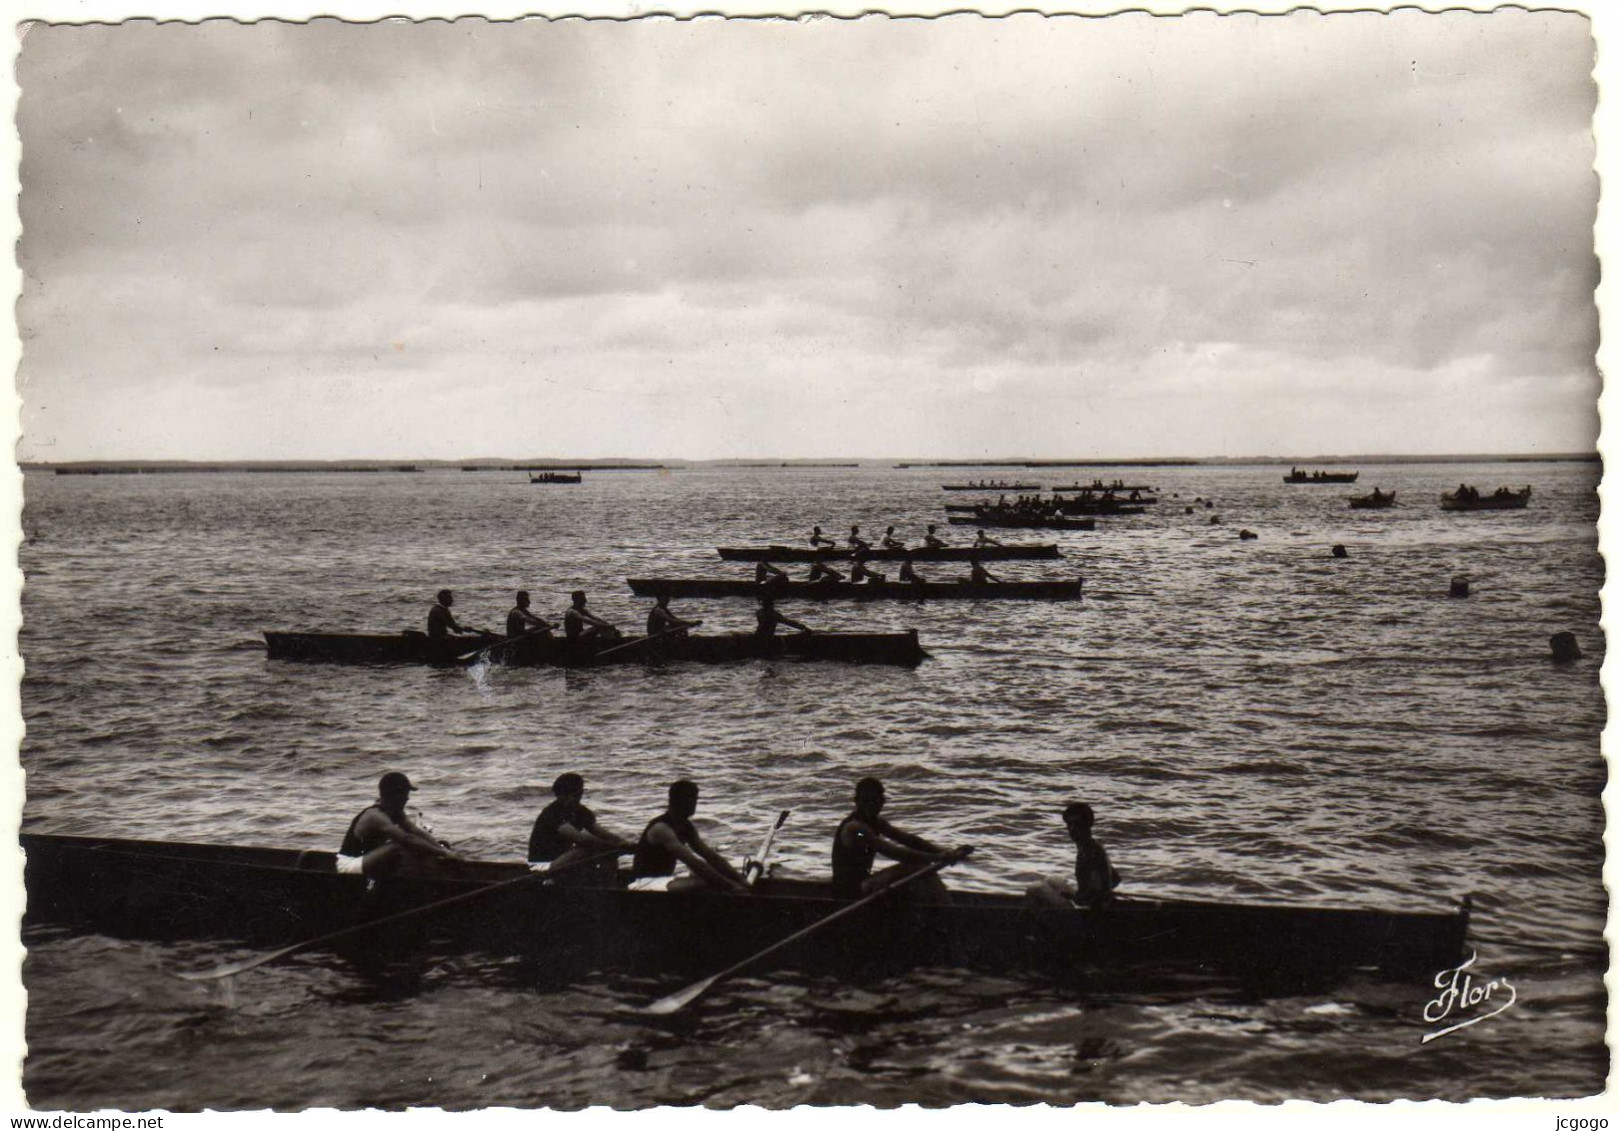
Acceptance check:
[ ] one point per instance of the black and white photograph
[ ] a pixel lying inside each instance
(713, 563)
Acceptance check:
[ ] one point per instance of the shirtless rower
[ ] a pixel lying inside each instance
(863, 835)
(662, 619)
(441, 622)
(670, 841)
(566, 832)
(580, 624)
(769, 617)
(382, 841)
(1094, 877)
(932, 540)
(521, 621)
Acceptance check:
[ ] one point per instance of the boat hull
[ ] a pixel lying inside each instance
(862, 591)
(902, 648)
(1516, 501)
(267, 897)
(1018, 522)
(1323, 477)
(1372, 502)
(1030, 552)
(1009, 487)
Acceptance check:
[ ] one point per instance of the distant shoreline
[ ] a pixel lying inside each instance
(171, 467)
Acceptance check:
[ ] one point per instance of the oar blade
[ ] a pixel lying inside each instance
(675, 1002)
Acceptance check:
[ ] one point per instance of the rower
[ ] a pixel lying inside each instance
(661, 619)
(382, 841)
(441, 622)
(768, 617)
(769, 577)
(521, 622)
(932, 541)
(863, 835)
(566, 833)
(579, 623)
(978, 575)
(821, 571)
(817, 540)
(907, 573)
(1094, 877)
(859, 571)
(671, 840)
(890, 542)
(984, 540)
(857, 543)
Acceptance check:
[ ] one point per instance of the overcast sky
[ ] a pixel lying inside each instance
(1119, 237)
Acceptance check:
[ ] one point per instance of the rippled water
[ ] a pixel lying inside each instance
(1252, 719)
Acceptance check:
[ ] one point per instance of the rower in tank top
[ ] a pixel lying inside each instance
(672, 856)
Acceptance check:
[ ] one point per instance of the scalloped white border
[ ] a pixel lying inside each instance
(1347, 1115)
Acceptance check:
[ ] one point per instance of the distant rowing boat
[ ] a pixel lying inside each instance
(272, 897)
(1372, 502)
(900, 648)
(1099, 489)
(1030, 551)
(556, 477)
(1031, 487)
(862, 590)
(1296, 476)
(1512, 501)
(1022, 522)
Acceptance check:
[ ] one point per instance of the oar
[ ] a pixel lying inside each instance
(644, 639)
(755, 869)
(679, 1000)
(503, 643)
(360, 928)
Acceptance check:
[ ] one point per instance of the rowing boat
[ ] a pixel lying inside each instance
(1321, 477)
(1372, 502)
(1098, 489)
(993, 487)
(1512, 501)
(861, 590)
(268, 897)
(556, 477)
(1103, 506)
(1030, 551)
(900, 648)
(1022, 522)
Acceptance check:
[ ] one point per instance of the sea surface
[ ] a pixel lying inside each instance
(1252, 720)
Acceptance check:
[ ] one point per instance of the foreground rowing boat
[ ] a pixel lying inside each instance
(268, 897)
(1372, 502)
(862, 590)
(900, 648)
(1030, 551)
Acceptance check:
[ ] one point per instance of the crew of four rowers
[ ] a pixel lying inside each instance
(578, 622)
(672, 856)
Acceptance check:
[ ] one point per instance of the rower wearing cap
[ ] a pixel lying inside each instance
(381, 840)
(1094, 877)
(863, 835)
(441, 622)
(672, 855)
(580, 624)
(566, 834)
(932, 540)
(522, 622)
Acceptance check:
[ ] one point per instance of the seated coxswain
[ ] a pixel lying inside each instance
(859, 571)
(1094, 877)
(579, 624)
(566, 834)
(932, 540)
(521, 622)
(857, 543)
(863, 835)
(441, 622)
(769, 618)
(821, 571)
(382, 841)
(661, 619)
(817, 540)
(671, 855)
(890, 542)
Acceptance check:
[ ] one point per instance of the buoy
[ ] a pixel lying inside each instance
(1209, 503)
(1247, 535)
(1458, 587)
(1565, 647)
(1338, 551)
